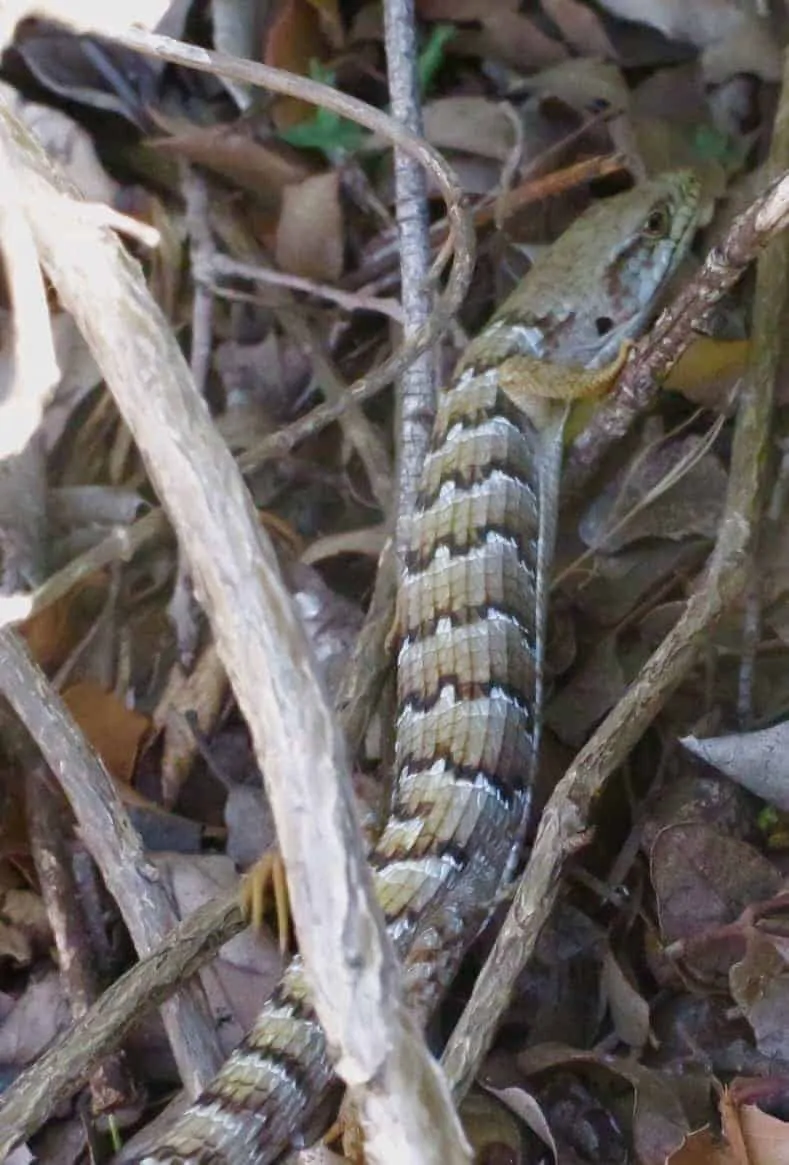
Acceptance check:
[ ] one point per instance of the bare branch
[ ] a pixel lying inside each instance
(113, 842)
(417, 396)
(354, 974)
(66, 1065)
(565, 825)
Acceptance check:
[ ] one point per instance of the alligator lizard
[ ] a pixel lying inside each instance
(471, 617)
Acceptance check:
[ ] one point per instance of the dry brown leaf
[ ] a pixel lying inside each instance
(703, 1147)
(608, 587)
(759, 985)
(593, 689)
(331, 21)
(115, 731)
(701, 23)
(49, 635)
(676, 94)
(460, 11)
(262, 383)
(40, 1013)
(704, 880)
(265, 168)
(581, 28)
(310, 234)
(14, 945)
(659, 1123)
(528, 1110)
(331, 621)
(249, 966)
(674, 489)
(766, 1137)
(21, 1155)
(25, 910)
(201, 693)
(751, 48)
(759, 761)
(583, 84)
(629, 1010)
(512, 38)
(490, 1126)
(295, 40)
(24, 926)
(475, 125)
(732, 1128)
(67, 143)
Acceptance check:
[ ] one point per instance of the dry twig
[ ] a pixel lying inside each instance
(67, 1064)
(461, 231)
(113, 842)
(224, 265)
(567, 818)
(354, 974)
(111, 1086)
(417, 395)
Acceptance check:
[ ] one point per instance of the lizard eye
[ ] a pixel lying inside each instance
(657, 223)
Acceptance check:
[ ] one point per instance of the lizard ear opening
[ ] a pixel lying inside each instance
(603, 324)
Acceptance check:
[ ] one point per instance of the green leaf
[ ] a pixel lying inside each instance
(325, 130)
(431, 57)
(711, 144)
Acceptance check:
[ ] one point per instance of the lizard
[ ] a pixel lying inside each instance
(472, 607)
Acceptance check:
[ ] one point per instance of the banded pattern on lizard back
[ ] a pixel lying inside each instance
(468, 720)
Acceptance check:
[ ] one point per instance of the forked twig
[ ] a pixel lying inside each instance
(353, 972)
(566, 822)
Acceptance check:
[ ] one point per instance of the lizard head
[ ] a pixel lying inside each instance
(601, 281)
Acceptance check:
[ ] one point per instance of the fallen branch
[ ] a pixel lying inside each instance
(65, 1066)
(353, 971)
(566, 822)
(144, 902)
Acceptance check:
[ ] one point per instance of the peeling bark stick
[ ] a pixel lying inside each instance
(66, 1065)
(143, 899)
(355, 977)
(566, 822)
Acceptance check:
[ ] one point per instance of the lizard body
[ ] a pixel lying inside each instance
(472, 610)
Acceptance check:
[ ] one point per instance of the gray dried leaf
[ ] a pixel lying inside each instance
(472, 125)
(673, 490)
(759, 761)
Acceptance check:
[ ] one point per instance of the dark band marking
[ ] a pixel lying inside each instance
(469, 616)
(405, 915)
(465, 690)
(420, 558)
(279, 1064)
(506, 789)
(474, 415)
(450, 851)
(465, 477)
(281, 1000)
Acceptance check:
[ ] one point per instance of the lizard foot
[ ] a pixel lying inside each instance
(492, 1130)
(348, 1129)
(265, 884)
